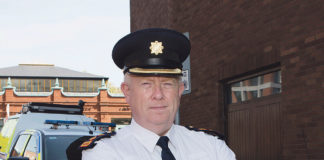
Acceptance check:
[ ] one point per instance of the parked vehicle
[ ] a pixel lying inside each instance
(48, 127)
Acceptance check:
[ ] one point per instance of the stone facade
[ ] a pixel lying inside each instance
(235, 38)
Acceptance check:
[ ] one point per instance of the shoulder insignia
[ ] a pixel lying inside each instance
(207, 131)
(91, 142)
(73, 152)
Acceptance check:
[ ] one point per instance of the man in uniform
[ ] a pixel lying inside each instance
(152, 63)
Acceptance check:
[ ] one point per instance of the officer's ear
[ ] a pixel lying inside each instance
(125, 89)
(181, 88)
(126, 86)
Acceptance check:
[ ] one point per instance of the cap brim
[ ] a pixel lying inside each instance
(175, 71)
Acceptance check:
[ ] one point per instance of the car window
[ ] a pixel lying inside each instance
(19, 146)
(56, 145)
(31, 149)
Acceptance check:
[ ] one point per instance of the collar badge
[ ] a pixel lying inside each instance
(156, 47)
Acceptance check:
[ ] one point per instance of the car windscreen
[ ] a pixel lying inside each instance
(55, 146)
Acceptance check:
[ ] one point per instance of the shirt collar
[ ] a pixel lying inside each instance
(171, 135)
(148, 138)
(145, 136)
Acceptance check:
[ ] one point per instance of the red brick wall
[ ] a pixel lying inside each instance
(232, 38)
(102, 107)
(155, 13)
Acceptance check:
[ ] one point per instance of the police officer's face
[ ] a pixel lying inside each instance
(154, 100)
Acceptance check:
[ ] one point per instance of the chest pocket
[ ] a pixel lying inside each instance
(198, 156)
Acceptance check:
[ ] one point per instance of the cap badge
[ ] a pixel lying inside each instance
(156, 47)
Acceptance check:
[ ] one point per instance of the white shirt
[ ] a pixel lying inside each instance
(134, 142)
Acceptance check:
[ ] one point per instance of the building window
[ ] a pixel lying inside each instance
(3, 83)
(80, 85)
(255, 87)
(45, 85)
(33, 85)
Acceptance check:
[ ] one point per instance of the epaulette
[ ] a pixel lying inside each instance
(73, 152)
(207, 131)
(91, 142)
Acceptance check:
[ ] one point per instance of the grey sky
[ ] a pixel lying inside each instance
(75, 34)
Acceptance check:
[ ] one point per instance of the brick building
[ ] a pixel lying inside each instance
(50, 84)
(256, 71)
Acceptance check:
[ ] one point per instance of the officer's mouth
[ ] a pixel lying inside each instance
(158, 108)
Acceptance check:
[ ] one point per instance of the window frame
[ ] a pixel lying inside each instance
(245, 77)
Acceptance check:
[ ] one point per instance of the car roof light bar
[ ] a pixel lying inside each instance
(100, 124)
(60, 122)
(52, 108)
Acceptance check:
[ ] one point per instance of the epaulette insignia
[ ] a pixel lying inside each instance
(207, 131)
(91, 142)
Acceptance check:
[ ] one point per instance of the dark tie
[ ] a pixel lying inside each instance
(166, 154)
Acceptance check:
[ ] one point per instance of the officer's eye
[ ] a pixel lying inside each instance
(146, 83)
(168, 84)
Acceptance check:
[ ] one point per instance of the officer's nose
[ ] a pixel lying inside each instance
(158, 92)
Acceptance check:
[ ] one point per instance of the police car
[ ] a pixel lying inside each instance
(44, 131)
(51, 143)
